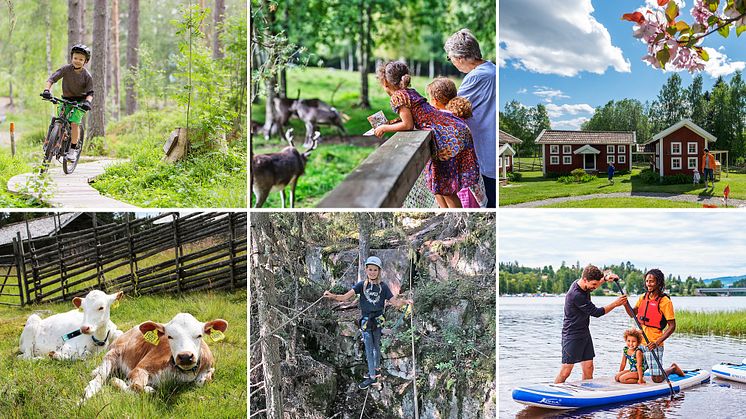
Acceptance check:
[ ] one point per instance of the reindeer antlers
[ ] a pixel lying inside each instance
(289, 137)
(315, 139)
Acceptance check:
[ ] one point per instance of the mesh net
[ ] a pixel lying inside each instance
(419, 196)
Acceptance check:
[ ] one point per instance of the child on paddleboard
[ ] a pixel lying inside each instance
(632, 353)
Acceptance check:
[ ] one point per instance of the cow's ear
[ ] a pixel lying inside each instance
(219, 324)
(77, 301)
(149, 326)
(118, 296)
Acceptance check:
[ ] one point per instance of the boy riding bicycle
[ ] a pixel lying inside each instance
(77, 86)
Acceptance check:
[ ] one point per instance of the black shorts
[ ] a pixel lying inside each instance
(576, 350)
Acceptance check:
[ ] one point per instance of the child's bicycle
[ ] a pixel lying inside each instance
(59, 138)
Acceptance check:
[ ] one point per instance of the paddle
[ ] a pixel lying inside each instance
(647, 341)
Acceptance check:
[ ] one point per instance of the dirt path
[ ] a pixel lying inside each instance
(73, 190)
(699, 199)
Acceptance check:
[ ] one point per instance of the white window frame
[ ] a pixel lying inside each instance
(621, 148)
(566, 149)
(621, 159)
(554, 160)
(566, 159)
(689, 161)
(689, 150)
(554, 149)
(675, 160)
(610, 158)
(672, 150)
(610, 149)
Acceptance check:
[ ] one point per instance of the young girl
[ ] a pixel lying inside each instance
(453, 164)
(632, 353)
(443, 96)
(373, 295)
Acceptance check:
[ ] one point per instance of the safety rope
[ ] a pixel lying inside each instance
(364, 402)
(286, 322)
(411, 323)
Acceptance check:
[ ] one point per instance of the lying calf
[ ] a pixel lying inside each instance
(75, 334)
(154, 353)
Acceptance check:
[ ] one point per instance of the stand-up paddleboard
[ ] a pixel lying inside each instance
(732, 372)
(601, 391)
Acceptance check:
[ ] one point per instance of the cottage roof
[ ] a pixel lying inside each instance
(506, 149)
(683, 123)
(39, 227)
(585, 137)
(506, 138)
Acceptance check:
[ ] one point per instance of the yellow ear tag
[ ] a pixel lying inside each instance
(216, 335)
(151, 337)
(115, 304)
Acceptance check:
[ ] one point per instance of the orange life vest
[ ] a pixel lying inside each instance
(649, 312)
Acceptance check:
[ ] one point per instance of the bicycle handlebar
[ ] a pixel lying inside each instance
(57, 100)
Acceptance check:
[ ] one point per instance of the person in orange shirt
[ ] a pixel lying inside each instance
(708, 166)
(654, 310)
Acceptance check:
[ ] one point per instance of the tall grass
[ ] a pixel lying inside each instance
(717, 323)
(51, 389)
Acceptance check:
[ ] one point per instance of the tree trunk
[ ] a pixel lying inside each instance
(114, 59)
(133, 43)
(73, 23)
(264, 292)
(48, 24)
(218, 19)
(365, 10)
(97, 123)
(269, 109)
(363, 220)
(431, 68)
(82, 32)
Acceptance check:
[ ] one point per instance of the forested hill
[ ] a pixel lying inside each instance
(518, 279)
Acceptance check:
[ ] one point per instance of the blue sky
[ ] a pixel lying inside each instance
(704, 244)
(576, 55)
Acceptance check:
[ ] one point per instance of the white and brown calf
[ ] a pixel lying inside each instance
(179, 354)
(74, 334)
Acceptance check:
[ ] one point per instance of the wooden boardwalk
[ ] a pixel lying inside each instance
(72, 191)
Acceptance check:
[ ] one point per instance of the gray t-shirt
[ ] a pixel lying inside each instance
(480, 87)
(75, 85)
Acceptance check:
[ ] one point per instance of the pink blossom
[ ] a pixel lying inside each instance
(700, 12)
(731, 13)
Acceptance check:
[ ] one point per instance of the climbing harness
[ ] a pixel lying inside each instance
(368, 324)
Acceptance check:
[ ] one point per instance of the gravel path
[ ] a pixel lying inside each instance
(698, 199)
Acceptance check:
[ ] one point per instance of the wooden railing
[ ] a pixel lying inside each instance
(384, 178)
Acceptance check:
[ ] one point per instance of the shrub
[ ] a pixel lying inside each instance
(514, 176)
(578, 174)
(649, 176)
(680, 179)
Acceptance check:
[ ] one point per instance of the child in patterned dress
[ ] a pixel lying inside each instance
(453, 162)
(443, 95)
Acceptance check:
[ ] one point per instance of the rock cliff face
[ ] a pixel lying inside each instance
(453, 270)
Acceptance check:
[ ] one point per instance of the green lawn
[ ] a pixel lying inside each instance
(533, 186)
(45, 388)
(624, 203)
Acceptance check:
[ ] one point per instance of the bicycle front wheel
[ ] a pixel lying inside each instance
(51, 145)
(69, 166)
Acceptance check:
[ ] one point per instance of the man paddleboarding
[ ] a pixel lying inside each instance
(577, 345)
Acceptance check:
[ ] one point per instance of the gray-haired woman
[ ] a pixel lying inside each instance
(480, 88)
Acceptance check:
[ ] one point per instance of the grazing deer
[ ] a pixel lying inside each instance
(273, 172)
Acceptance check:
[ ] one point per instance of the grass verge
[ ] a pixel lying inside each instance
(712, 323)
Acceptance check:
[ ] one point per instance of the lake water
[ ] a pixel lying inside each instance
(530, 353)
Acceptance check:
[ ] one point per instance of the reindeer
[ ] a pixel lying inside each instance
(273, 172)
(314, 112)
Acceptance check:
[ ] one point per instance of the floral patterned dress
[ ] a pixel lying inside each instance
(453, 163)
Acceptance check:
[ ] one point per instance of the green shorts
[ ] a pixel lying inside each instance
(76, 116)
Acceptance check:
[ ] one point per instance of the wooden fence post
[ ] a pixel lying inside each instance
(12, 139)
(178, 252)
(18, 253)
(60, 256)
(232, 249)
(133, 257)
(98, 253)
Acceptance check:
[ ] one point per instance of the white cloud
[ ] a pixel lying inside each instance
(541, 37)
(522, 91)
(671, 241)
(719, 64)
(555, 111)
(569, 124)
(549, 94)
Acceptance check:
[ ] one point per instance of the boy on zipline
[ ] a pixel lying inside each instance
(373, 295)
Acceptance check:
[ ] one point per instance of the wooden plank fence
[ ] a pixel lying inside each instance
(167, 253)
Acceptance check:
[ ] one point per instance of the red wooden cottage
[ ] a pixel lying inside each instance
(564, 151)
(506, 152)
(678, 149)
